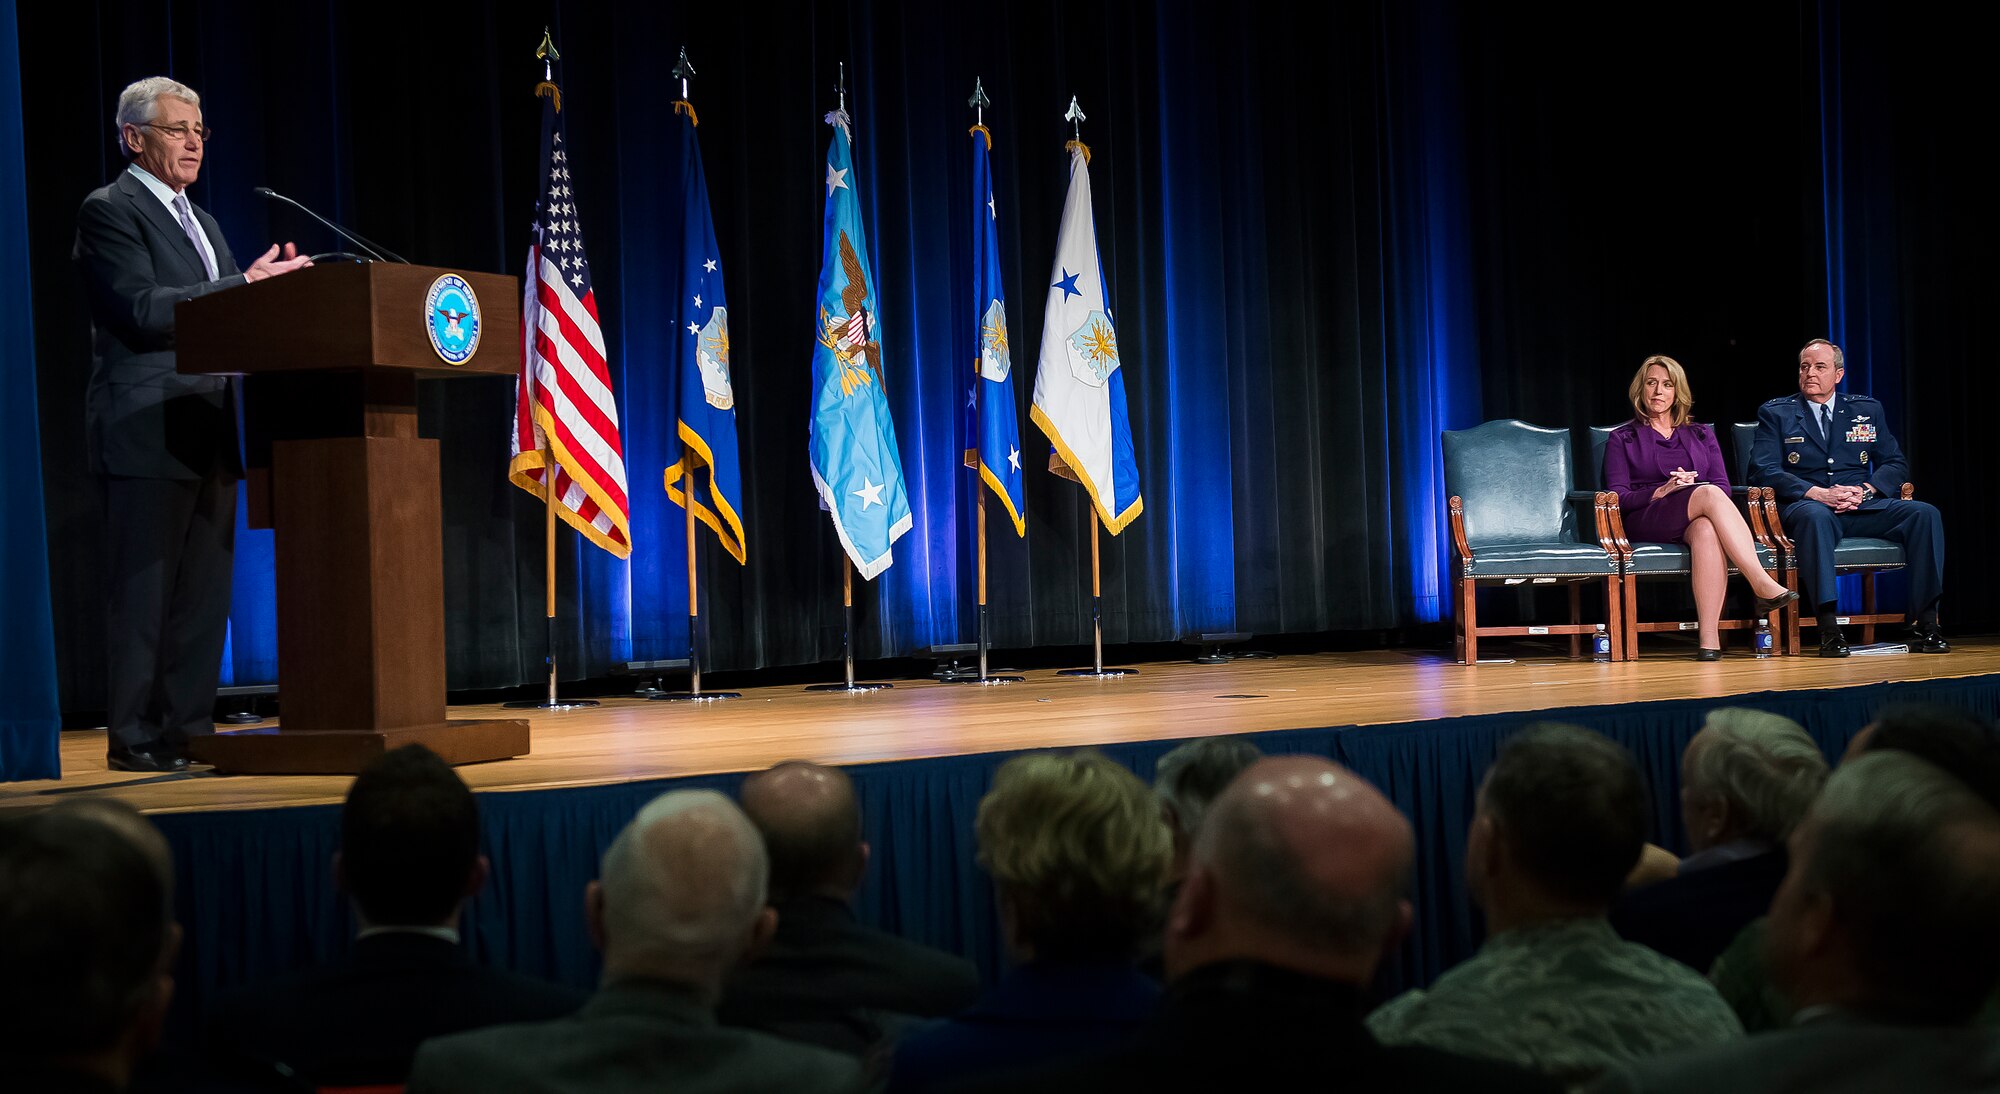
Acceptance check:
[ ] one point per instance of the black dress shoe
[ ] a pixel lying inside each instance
(1927, 639)
(1832, 643)
(1703, 653)
(1767, 606)
(157, 759)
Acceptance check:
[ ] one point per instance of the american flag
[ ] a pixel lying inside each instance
(564, 410)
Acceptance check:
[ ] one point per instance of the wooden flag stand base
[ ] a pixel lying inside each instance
(549, 545)
(693, 694)
(984, 679)
(847, 637)
(1097, 671)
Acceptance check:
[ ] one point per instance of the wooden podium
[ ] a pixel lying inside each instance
(332, 356)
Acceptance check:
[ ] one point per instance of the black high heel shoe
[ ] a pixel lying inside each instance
(1706, 654)
(1766, 607)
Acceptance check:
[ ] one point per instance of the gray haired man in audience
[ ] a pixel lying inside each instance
(680, 902)
(1190, 778)
(1883, 936)
(1747, 780)
(1558, 824)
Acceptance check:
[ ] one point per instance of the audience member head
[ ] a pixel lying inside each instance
(1188, 780)
(1300, 864)
(811, 826)
(1748, 774)
(681, 897)
(1892, 895)
(87, 939)
(1951, 738)
(409, 841)
(1078, 854)
(1558, 824)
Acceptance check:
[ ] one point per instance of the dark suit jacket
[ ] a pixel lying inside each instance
(1789, 456)
(1838, 1054)
(361, 1022)
(638, 1036)
(141, 418)
(1246, 1026)
(1039, 1012)
(828, 980)
(1694, 916)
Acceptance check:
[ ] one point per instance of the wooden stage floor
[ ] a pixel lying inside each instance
(628, 739)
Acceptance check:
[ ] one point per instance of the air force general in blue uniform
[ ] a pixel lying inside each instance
(1838, 473)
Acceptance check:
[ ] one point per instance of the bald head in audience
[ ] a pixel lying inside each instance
(682, 893)
(811, 826)
(1299, 864)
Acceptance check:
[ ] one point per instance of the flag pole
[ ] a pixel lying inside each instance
(546, 53)
(694, 692)
(1096, 671)
(847, 636)
(682, 70)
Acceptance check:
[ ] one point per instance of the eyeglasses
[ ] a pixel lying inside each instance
(182, 131)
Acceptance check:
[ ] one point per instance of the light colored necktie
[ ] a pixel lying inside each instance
(195, 235)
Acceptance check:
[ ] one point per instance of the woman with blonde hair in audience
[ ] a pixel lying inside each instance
(1079, 857)
(1673, 487)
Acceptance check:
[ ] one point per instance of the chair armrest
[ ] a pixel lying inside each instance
(1611, 518)
(1775, 526)
(1753, 514)
(1458, 529)
(1909, 491)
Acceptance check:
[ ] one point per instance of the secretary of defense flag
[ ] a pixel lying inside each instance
(852, 441)
(1079, 386)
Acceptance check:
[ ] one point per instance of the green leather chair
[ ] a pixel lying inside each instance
(1514, 523)
(1642, 560)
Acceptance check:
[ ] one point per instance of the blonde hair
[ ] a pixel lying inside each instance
(1078, 849)
(1676, 375)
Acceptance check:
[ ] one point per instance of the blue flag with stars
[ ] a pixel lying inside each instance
(996, 452)
(699, 357)
(852, 441)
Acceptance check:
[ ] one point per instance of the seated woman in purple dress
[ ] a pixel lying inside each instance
(1672, 488)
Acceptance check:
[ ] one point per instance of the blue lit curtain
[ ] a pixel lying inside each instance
(1329, 231)
(28, 706)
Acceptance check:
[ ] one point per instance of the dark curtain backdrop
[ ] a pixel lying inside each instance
(29, 716)
(1329, 231)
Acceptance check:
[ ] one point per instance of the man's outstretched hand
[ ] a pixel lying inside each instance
(270, 265)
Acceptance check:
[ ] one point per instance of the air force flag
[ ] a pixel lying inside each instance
(852, 441)
(996, 449)
(1079, 388)
(699, 355)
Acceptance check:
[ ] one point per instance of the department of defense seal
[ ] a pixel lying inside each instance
(451, 316)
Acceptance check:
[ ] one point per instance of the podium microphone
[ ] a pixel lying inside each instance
(381, 254)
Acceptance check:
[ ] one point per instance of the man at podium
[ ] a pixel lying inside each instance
(164, 445)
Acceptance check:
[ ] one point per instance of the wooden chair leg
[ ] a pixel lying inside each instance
(1616, 623)
(1629, 611)
(1575, 618)
(1791, 615)
(1468, 615)
(1868, 605)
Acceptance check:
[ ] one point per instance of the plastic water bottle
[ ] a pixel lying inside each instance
(1763, 638)
(1600, 644)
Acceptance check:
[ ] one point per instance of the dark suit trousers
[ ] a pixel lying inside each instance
(1816, 530)
(171, 555)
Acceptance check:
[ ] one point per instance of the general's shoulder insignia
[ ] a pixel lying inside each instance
(1791, 457)
(451, 316)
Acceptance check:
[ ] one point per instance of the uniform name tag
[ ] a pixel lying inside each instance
(1795, 440)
